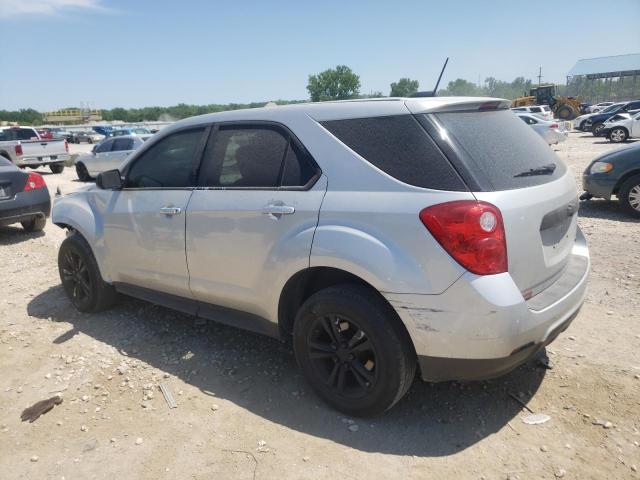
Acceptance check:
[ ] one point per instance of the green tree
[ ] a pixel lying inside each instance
(461, 87)
(404, 87)
(334, 84)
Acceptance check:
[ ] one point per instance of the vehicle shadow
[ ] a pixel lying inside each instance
(260, 374)
(10, 235)
(605, 209)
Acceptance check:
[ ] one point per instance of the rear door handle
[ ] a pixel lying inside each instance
(278, 210)
(170, 210)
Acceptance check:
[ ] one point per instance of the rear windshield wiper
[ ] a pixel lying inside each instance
(544, 170)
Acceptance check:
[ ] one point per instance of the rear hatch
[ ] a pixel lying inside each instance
(506, 163)
(12, 179)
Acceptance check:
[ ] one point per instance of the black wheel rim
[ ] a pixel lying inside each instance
(75, 277)
(343, 356)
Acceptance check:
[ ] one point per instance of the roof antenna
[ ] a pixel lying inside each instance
(432, 93)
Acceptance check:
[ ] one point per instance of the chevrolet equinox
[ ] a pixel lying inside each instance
(382, 236)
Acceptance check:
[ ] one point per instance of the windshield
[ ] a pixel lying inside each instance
(611, 108)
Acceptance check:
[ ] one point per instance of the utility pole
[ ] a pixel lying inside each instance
(540, 76)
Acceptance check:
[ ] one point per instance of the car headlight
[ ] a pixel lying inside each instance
(601, 167)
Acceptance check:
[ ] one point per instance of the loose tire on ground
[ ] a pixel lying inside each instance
(81, 278)
(629, 195)
(353, 350)
(34, 225)
(56, 167)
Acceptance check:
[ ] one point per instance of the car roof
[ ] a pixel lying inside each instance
(344, 109)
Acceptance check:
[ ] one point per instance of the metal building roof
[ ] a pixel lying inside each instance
(603, 65)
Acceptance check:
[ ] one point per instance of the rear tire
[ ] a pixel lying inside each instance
(81, 277)
(56, 167)
(565, 112)
(629, 195)
(618, 135)
(353, 350)
(596, 129)
(82, 172)
(34, 225)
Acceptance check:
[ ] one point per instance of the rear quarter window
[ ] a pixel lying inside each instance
(399, 146)
(495, 147)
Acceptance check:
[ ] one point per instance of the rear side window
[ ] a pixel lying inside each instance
(400, 147)
(122, 144)
(496, 148)
(167, 164)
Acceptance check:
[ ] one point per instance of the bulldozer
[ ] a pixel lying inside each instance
(565, 108)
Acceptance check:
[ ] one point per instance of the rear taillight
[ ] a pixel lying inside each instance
(66, 145)
(553, 125)
(18, 149)
(471, 232)
(34, 182)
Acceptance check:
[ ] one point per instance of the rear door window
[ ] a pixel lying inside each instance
(496, 149)
(255, 156)
(400, 147)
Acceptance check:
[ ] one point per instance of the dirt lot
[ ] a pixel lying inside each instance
(245, 412)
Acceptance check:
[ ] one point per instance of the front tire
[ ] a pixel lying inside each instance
(34, 225)
(82, 172)
(81, 277)
(618, 135)
(56, 167)
(596, 129)
(629, 195)
(353, 350)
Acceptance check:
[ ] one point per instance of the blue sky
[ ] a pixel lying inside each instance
(135, 53)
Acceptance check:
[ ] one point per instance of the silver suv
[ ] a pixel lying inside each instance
(383, 236)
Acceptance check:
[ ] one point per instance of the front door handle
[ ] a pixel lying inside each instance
(278, 210)
(170, 210)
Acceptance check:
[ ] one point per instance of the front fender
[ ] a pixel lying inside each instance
(78, 211)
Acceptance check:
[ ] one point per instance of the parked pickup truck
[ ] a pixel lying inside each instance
(23, 147)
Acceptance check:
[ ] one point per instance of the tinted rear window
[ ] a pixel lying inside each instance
(400, 147)
(497, 146)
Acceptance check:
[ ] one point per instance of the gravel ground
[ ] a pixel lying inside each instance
(245, 412)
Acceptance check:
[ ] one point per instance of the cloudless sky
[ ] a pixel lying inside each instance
(135, 53)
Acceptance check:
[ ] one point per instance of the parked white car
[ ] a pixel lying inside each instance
(621, 127)
(541, 111)
(106, 155)
(551, 132)
(599, 106)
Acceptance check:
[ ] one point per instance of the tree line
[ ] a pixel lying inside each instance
(339, 83)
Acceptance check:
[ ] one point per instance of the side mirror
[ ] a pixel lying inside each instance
(109, 180)
(93, 150)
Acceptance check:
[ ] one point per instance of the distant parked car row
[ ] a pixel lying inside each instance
(594, 122)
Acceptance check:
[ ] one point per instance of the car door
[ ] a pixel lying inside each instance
(635, 126)
(122, 147)
(144, 222)
(250, 223)
(100, 158)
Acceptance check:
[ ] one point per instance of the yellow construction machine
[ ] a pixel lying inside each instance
(565, 108)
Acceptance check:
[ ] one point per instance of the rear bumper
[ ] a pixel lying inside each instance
(482, 327)
(24, 206)
(41, 160)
